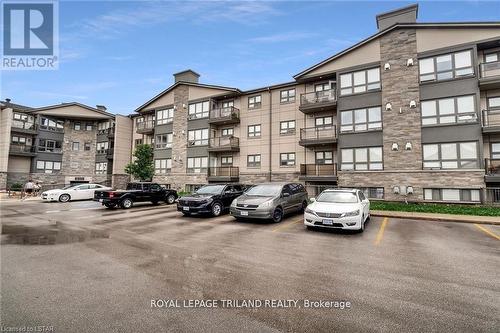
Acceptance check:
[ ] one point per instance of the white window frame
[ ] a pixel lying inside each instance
(254, 131)
(255, 102)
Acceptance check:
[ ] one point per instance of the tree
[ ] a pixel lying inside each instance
(142, 167)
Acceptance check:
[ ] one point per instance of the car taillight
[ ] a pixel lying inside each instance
(111, 194)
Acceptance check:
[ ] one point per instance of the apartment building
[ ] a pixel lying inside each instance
(410, 113)
(63, 144)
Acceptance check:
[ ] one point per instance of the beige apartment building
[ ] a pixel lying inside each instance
(409, 113)
(63, 144)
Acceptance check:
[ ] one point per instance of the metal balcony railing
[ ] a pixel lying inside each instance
(318, 133)
(492, 166)
(22, 149)
(491, 118)
(225, 113)
(24, 125)
(318, 97)
(489, 69)
(318, 169)
(492, 195)
(227, 171)
(224, 142)
(145, 125)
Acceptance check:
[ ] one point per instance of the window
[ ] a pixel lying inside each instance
(287, 127)
(361, 119)
(287, 159)
(49, 146)
(255, 102)
(226, 160)
(324, 157)
(491, 57)
(197, 164)
(323, 121)
(254, 131)
(89, 126)
(103, 126)
(165, 116)
(51, 125)
(198, 137)
(87, 146)
(443, 194)
(495, 150)
(18, 139)
(48, 166)
(449, 110)
(164, 141)
(287, 96)
(362, 159)
(101, 167)
(494, 102)
(323, 86)
(77, 126)
(253, 161)
(163, 165)
(446, 66)
(102, 147)
(138, 142)
(20, 116)
(372, 192)
(461, 155)
(360, 81)
(227, 131)
(227, 104)
(75, 146)
(198, 110)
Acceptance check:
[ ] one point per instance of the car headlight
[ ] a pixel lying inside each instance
(353, 213)
(266, 204)
(233, 203)
(310, 211)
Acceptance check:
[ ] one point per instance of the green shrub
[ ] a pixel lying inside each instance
(436, 208)
(16, 187)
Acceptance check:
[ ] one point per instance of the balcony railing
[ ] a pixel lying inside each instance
(25, 125)
(102, 151)
(227, 171)
(22, 149)
(492, 195)
(224, 142)
(491, 118)
(224, 115)
(49, 150)
(327, 170)
(317, 97)
(489, 69)
(492, 166)
(318, 133)
(145, 126)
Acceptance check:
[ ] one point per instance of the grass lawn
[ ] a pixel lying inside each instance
(436, 208)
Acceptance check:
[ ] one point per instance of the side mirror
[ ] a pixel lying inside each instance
(312, 199)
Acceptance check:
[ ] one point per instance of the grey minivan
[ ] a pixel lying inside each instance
(270, 201)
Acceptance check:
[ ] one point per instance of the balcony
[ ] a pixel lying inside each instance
(145, 127)
(224, 144)
(318, 101)
(22, 150)
(224, 116)
(21, 126)
(223, 174)
(492, 170)
(318, 136)
(491, 121)
(109, 153)
(490, 75)
(318, 172)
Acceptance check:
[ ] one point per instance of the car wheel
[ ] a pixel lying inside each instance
(170, 199)
(110, 205)
(216, 209)
(362, 228)
(277, 215)
(64, 198)
(127, 203)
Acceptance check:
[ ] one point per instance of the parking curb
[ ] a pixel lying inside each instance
(492, 220)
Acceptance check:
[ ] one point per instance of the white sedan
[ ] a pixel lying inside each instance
(336, 208)
(73, 192)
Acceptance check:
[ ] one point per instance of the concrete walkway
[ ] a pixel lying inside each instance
(439, 217)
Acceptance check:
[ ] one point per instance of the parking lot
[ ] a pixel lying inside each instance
(79, 267)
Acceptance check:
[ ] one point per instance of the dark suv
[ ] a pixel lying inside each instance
(210, 199)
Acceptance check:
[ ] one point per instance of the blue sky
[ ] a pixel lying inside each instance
(120, 54)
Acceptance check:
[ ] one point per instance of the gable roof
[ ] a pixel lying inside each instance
(58, 106)
(15, 107)
(178, 83)
(393, 27)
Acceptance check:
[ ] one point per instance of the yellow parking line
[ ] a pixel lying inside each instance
(380, 233)
(483, 229)
(285, 226)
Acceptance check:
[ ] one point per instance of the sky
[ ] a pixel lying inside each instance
(122, 53)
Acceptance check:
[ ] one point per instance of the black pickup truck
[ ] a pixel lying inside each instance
(135, 192)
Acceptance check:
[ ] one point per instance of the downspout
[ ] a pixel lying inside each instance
(270, 133)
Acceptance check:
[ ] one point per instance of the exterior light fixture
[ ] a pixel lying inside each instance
(408, 146)
(388, 107)
(413, 104)
(409, 62)
(395, 146)
(387, 66)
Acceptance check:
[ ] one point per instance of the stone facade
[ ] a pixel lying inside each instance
(178, 177)
(120, 181)
(254, 178)
(78, 162)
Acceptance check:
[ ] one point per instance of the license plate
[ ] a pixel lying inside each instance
(100, 200)
(328, 222)
(243, 213)
(185, 208)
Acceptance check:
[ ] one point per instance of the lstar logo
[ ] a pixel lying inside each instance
(29, 35)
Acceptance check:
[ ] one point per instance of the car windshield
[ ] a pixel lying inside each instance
(210, 189)
(337, 197)
(264, 190)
